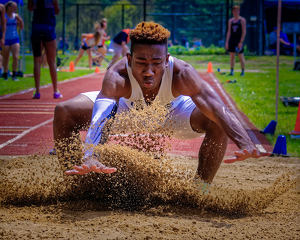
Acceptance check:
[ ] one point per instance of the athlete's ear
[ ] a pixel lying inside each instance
(129, 57)
(167, 59)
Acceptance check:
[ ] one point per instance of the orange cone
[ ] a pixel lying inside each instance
(209, 67)
(97, 70)
(71, 67)
(297, 125)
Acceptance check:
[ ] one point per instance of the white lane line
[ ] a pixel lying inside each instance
(14, 127)
(8, 134)
(26, 109)
(236, 112)
(14, 112)
(26, 132)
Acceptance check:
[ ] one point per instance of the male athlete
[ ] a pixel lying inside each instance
(148, 72)
(235, 39)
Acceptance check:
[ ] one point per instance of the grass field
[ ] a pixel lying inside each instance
(254, 93)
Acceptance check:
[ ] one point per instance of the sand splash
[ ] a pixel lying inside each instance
(146, 177)
(141, 182)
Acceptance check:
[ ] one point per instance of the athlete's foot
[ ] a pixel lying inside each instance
(231, 74)
(242, 73)
(202, 186)
(57, 95)
(14, 78)
(36, 95)
(5, 76)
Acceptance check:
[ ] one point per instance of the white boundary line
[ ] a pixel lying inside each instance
(25, 132)
(45, 86)
(236, 112)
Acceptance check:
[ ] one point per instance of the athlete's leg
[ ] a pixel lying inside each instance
(15, 49)
(6, 51)
(50, 49)
(80, 54)
(232, 62)
(37, 72)
(70, 117)
(89, 52)
(213, 147)
(242, 60)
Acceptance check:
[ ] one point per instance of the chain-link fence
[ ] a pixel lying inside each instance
(187, 22)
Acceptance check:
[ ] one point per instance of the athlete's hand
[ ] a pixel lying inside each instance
(244, 154)
(90, 165)
(240, 45)
(226, 46)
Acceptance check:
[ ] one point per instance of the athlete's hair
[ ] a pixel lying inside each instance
(97, 36)
(8, 4)
(236, 7)
(149, 33)
(103, 20)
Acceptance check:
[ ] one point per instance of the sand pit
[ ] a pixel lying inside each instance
(148, 199)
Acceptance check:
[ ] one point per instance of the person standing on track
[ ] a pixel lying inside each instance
(147, 73)
(235, 39)
(43, 34)
(12, 42)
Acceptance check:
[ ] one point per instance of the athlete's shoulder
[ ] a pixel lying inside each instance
(116, 81)
(242, 19)
(180, 66)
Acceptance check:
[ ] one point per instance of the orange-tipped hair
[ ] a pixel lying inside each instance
(149, 32)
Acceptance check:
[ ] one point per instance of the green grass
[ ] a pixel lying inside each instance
(255, 92)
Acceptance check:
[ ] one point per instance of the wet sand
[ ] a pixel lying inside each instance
(148, 199)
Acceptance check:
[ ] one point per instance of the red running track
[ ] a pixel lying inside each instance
(26, 124)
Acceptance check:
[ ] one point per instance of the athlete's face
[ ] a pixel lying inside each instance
(236, 12)
(148, 64)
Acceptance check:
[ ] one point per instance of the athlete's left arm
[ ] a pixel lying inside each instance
(3, 24)
(210, 104)
(243, 22)
(20, 22)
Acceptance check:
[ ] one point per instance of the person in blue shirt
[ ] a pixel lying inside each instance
(12, 42)
(43, 35)
(2, 32)
(286, 47)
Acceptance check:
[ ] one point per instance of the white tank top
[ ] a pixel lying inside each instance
(165, 90)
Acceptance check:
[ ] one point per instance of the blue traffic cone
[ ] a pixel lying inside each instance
(270, 128)
(280, 146)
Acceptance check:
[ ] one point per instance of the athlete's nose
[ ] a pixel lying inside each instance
(149, 71)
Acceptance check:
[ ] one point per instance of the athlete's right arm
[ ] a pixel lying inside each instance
(228, 34)
(104, 109)
(114, 86)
